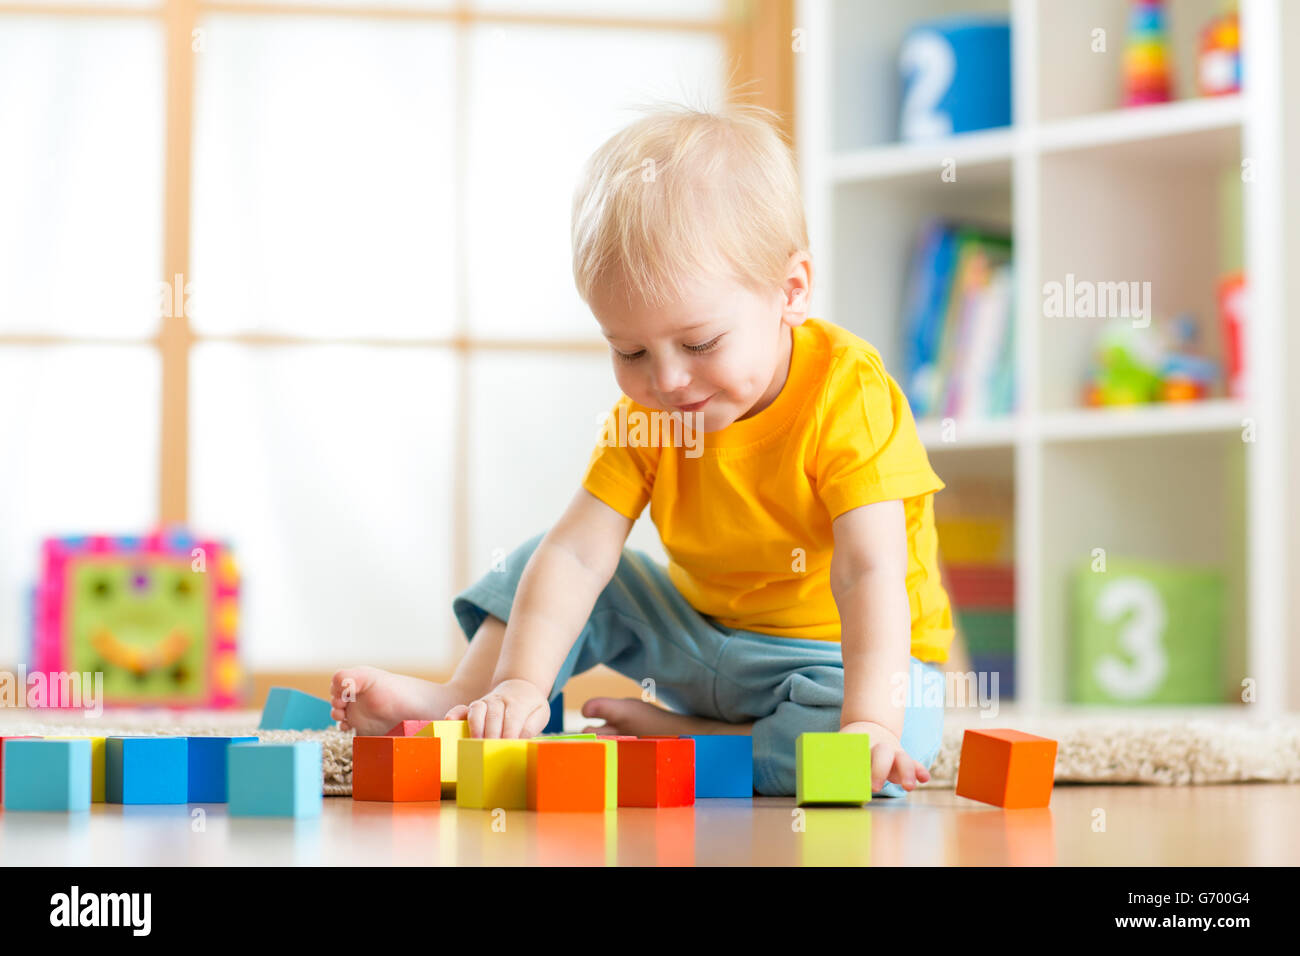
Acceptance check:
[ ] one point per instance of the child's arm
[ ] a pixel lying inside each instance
(869, 580)
(559, 586)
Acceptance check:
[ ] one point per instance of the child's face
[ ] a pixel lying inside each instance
(723, 351)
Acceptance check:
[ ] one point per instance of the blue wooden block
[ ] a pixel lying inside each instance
(47, 774)
(288, 709)
(274, 780)
(208, 767)
(956, 77)
(555, 725)
(724, 765)
(146, 770)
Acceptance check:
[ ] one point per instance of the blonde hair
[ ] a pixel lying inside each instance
(685, 193)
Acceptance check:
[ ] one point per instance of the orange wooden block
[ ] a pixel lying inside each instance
(396, 769)
(1006, 768)
(656, 773)
(566, 775)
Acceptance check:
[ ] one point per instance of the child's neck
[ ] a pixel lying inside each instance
(779, 377)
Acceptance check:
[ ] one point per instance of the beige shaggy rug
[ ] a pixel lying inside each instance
(1155, 749)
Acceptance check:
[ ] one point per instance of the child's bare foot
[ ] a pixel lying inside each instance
(638, 718)
(371, 701)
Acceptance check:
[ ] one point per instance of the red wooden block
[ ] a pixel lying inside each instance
(2, 753)
(407, 728)
(656, 773)
(396, 769)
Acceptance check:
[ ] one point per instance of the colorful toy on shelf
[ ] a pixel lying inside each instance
(1147, 67)
(1232, 319)
(1186, 376)
(288, 709)
(1006, 768)
(1147, 632)
(157, 615)
(956, 77)
(1134, 366)
(832, 768)
(46, 774)
(1218, 62)
(275, 780)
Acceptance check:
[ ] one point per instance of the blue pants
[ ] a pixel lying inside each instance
(642, 627)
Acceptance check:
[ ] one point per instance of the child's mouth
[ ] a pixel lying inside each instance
(694, 406)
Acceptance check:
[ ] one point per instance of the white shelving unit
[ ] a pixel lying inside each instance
(1104, 193)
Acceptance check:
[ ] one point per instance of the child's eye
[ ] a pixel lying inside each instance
(629, 356)
(708, 346)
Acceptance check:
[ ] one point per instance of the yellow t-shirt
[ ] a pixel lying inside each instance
(745, 514)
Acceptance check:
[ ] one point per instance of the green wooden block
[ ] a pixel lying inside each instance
(832, 768)
(566, 737)
(1147, 633)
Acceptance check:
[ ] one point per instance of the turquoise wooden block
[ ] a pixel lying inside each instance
(47, 774)
(288, 709)
(146, 770)
(274, 780)
(207, 767)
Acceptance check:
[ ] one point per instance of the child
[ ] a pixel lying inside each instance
(803, 590)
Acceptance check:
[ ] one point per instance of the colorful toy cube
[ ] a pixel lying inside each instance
(832, 768)
(407, 728)
(724, 765)
(1006, 768)
(98, 749)
(956, 77)
(274, 780)
(656, 773)
(288, 709)
(450, 732)
(2, 748)
(46, 774)
(146, 770)
(396, 769)
(1147, 633)
(567, 775)
(157, 615)
(493, 774)
(207, 767)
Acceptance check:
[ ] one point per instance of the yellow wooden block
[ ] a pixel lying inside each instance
(492, 774)
(449, 732)
(97, 751)
(611, 774)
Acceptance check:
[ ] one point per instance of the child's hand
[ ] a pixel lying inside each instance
(514, 708)
(889, 761)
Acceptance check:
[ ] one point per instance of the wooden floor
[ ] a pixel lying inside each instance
(1238, 824)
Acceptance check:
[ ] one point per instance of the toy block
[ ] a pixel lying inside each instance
(407, 728)
(832, 768)
(492, 774)
(660, 737)
(275, 780)
(566, 737)
(656, 773)
(724, 765)
(566, 775)
(146, 770)
(97, 751)
(46, 774)
(450, 732)
(2, 751)
(207, 767)
(555, 724)
(396, 769)
(288, 709)
(1006, 768)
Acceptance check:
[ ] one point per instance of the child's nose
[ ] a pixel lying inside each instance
(670, 377)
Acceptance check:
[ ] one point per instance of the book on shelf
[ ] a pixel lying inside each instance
(958, 331)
